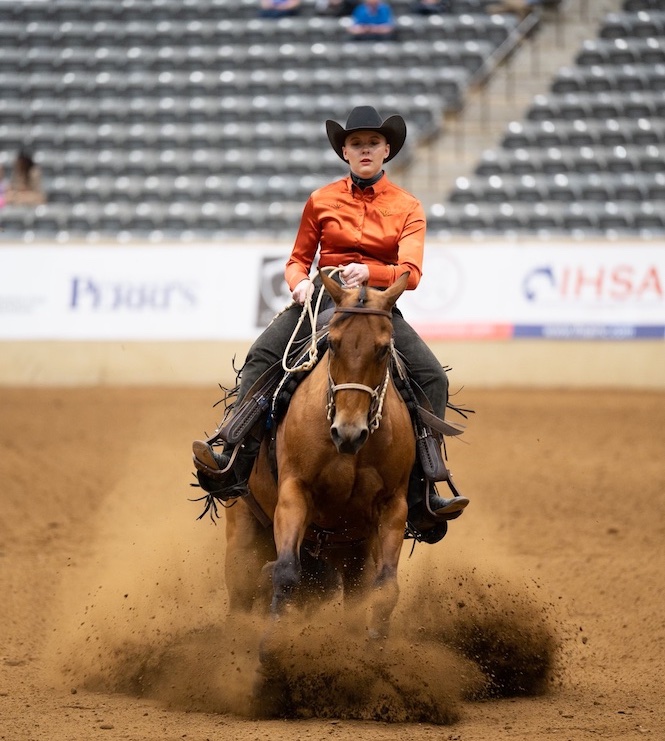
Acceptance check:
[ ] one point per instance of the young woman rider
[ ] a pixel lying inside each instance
(373, 231)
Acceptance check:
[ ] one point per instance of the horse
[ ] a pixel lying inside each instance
(335, 515)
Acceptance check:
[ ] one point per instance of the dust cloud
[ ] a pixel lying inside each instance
(542, 586)
(145, 615)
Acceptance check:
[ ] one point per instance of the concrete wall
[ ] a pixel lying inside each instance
(536, 363)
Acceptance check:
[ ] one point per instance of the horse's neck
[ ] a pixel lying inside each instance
(311, 393)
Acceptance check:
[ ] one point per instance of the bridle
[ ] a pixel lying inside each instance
(377, 394)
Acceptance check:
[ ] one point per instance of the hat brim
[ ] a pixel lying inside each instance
(393, 128)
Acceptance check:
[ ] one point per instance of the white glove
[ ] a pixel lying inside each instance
(302, 291)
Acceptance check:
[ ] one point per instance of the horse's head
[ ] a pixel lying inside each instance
(359, 344)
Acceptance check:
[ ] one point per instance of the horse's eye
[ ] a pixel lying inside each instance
(382, 351)
(333, 346)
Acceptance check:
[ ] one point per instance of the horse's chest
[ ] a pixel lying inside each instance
(347, 491)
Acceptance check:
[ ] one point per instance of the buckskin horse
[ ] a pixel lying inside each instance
(335, 515)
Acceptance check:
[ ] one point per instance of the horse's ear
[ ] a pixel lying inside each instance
(333, 287)
(397, 289)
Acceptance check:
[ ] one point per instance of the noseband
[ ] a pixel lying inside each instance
(377, 394)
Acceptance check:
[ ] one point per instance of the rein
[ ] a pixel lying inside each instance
(378, 394)
(312, 314)
(312, 353)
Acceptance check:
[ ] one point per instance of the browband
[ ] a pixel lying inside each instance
(362, 310)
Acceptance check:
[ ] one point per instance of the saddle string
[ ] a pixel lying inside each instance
(378, 414)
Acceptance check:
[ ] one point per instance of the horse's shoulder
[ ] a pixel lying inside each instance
(309, 389)
(299, 384)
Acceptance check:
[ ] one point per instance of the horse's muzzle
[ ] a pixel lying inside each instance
(348, 439)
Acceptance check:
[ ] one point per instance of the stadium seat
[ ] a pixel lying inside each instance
(648, 218)
(507, 218)
(629, 188)
(152, 109)
(594, 188)
(528, 189)
(579, 219)
(544, 218)
(16, 220)
(654, 182)
(632, 6)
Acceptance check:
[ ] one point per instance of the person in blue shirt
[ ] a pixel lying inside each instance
(372, 20)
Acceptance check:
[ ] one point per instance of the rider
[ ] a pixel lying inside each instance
(373, 231)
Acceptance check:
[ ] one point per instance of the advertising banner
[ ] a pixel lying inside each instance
(230, 292)
(564, 291)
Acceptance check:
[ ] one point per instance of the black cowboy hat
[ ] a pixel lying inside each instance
(366, 118)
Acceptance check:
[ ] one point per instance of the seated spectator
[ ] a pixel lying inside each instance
(430, 7)
(25, 187)
(279, 8)
(373, 20)
(336, 8)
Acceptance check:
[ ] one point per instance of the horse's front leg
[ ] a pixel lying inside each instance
(387, 550)
(290, 522)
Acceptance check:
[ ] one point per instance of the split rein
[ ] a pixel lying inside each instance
(378, 394)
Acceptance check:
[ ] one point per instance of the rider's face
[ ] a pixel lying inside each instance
(365, 151)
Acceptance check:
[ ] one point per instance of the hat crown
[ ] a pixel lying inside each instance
(364, 116)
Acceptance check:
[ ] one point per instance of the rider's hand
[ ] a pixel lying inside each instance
(302, 291)
(354, 274)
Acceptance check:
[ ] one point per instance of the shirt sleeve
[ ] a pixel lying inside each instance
(305, 247)
(411, 248)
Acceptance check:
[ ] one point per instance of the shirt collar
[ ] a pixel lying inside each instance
(366, 182)
(379, 187)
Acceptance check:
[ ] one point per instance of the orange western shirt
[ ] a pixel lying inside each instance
(382, 226)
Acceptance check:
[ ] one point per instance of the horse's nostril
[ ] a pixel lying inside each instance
(348, 438)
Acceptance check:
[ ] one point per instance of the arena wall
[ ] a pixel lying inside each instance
(500, 315)
(491, 364)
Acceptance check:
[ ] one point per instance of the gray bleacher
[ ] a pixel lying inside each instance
(152, 118)
(589, 157)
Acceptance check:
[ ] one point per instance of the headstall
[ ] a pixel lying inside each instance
(377, 394)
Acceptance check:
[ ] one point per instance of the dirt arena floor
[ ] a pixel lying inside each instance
(538, 617)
